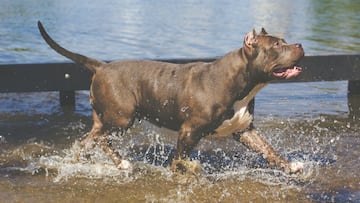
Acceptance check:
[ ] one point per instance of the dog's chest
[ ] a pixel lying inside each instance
(241, 118)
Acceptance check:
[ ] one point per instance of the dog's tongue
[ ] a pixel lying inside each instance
(292, 72)
(288, 73)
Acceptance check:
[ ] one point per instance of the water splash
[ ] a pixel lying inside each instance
(229, 170)
(217, 166)
(76, 164)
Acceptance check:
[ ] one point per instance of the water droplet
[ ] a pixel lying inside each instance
(165, 102)
(184, 108)
(2, 140)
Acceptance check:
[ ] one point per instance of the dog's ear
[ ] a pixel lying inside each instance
(250, 44)
(250, 39)
(263, 31)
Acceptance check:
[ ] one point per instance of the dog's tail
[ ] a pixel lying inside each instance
(91, 64)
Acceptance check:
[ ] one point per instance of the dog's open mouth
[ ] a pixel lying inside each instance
(287, 72)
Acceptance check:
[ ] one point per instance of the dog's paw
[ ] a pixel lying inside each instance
(124, 165)
(186, 166)
(296, 167)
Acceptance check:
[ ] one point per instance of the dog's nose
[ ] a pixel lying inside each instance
(300, 49)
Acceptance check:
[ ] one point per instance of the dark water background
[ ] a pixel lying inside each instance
(309, 122)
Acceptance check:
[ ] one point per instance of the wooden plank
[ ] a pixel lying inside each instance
(43, 77)
(72, 77)
(330, 68)
(354, 87)
(67, 98)
(315, 68)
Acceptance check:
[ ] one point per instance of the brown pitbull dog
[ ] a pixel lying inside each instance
(196, 99)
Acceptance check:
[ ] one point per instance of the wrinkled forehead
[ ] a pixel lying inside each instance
(270, 39)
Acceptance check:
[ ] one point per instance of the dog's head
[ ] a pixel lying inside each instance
(271, 57)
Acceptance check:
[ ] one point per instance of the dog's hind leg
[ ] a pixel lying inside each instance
(119, 121)
(100, 136)
(118, 160)
(95, 133)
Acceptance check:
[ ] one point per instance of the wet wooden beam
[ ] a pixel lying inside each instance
(67, 97)
(354, 98)
(43, 77)
(354, 87)
(330, 68)
(69, 77)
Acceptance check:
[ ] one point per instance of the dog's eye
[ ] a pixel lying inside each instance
(276, 44)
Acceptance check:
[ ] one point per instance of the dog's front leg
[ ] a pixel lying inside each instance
(252, 140)
(187, 140)
(115, 156)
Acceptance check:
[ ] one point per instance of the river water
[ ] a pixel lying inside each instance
(309, 122)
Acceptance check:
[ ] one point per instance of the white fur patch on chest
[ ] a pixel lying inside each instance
(241, 119)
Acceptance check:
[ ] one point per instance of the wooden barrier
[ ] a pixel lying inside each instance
(69, 77)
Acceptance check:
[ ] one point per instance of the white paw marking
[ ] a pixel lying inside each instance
(125, 165)
(296, 166)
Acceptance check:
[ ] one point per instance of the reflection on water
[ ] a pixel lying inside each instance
(158, 29)
(336, 33)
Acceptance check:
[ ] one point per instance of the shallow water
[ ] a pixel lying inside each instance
(40, 160)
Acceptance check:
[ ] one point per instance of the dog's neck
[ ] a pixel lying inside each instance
(235, 68)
